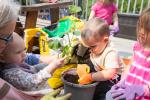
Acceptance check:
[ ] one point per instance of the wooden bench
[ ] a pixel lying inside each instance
(32, 12)
(39, 23)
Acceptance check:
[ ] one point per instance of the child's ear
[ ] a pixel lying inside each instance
(106, 39)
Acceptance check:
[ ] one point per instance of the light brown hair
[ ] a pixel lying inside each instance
(107, 1)
(96, 28)
(143, 26)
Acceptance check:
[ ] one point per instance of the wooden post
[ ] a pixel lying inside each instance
(31, 18)
(54, 13)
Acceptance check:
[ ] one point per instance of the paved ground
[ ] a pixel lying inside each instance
(123, 45)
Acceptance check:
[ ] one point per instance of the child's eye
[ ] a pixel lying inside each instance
(21, 51)
(92, 47)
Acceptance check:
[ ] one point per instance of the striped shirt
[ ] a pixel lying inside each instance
(140, 69)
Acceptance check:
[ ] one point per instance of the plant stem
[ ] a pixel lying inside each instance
(69, 40)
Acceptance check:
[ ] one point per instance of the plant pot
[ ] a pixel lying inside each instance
(79, 92)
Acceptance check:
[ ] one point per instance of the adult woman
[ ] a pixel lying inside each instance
(8, 16)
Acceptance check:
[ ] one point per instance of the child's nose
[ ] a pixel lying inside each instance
(23, 54)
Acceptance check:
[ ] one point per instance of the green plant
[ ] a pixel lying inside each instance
(74, 9)
(65, 45)
(55, 44)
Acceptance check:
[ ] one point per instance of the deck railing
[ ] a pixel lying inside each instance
(132, 7)
(124, 6)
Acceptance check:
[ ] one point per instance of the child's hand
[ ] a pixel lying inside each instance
(128, 93)
(54, 65)
(113, 29)
(48, 59)
(59, 62)
(119, 85)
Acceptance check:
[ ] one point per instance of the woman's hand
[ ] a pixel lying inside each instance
(53, 96)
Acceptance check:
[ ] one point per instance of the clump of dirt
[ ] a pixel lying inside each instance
(71, 78)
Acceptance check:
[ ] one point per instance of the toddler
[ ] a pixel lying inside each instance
(136, 84)
(106, 9)
(105, 59)
(18, 73)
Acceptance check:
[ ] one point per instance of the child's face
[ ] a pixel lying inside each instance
(96, 46)
(147, 40)
(17, 53)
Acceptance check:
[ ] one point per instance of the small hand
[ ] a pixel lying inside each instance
(114, 29)
(128, 93)
(53, 96)
(54, 65)
(59, 62)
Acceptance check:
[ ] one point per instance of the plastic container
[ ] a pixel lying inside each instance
(35, 38)
(79, 92)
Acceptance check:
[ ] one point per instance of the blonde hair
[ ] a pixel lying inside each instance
(143, 26)
(8, 12)
(96, 28)
(107, 1)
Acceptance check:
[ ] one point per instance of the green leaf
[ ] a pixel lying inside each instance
(55, 45)
(77, 32)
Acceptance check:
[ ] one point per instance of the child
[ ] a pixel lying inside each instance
(19, 74)
(95, 36)
(136, 85)
(106, 9)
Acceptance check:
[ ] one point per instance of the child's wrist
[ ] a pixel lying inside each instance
(146, 90)
(50, 68)
(45, 73)
(91, 76)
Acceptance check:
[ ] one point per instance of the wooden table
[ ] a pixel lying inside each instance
(32, 12)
